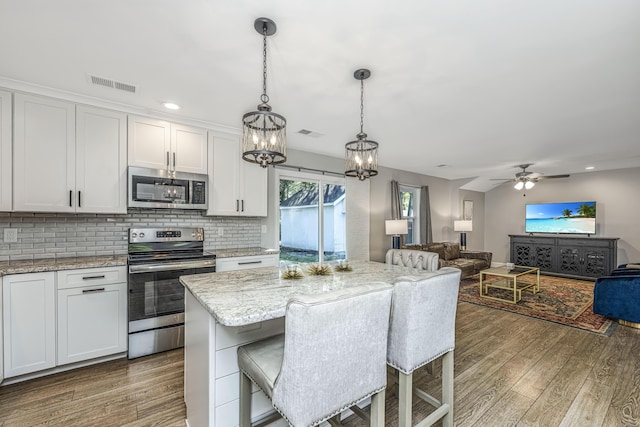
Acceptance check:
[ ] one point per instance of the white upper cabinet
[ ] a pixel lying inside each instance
(44, 154)
(6, 156)
(101, 160)
(64, 163)
(238, 188)
(157, 144)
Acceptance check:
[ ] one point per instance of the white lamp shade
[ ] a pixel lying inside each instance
(462, 225)
(529, 185)
(396, 226)
(519, 185)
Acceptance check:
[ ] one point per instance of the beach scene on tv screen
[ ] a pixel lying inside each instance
(571, 217)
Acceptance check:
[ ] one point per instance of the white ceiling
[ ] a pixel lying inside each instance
(479, 86)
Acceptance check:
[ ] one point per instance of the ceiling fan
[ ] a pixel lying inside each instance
(526, 179)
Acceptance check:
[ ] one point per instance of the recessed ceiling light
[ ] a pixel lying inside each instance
(170, 106)
(590, 168)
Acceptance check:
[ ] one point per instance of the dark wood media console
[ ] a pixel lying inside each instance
(578, 257)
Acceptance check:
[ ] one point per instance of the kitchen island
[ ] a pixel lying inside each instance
(227, 309)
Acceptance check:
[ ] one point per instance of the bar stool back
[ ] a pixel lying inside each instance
(422, 329)
(331, 356)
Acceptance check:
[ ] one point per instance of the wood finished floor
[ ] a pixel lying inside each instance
(510, 370)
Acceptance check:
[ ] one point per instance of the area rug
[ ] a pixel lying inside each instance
(565, 301)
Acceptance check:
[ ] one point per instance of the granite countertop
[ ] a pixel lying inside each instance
(237, 252)
(237, 298)
(71, 263)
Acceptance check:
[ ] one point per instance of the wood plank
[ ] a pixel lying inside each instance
(505, 412)
(590, 405)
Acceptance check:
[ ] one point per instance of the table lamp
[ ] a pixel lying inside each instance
(463, 227)
(396, 227)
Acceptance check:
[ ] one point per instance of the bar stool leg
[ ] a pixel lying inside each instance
(377, 409)
(447, 387)
(245, 400)
(405, 385)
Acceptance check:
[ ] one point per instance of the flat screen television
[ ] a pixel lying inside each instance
(566, 217)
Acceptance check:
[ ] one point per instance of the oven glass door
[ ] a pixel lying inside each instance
(156, 294)
(159, 190)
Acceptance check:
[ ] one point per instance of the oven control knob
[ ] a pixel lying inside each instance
(134, 235)
(141, 234)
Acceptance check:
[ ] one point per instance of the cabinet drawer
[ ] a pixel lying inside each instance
(584, 242)
(91, 276)
(228, 336)
(535, 240)
(246, 262)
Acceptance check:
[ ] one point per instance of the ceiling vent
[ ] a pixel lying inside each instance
(311, 133)
(110, 83)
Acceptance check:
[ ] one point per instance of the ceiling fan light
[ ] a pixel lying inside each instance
(529, 185)
(519, 185)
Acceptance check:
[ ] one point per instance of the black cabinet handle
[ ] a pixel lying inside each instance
(242, 205)
(70, 198)
(79, 199)
(174, 160)
(101, 276)
(237, 205)
(168, 164)
(250, 262)
(88, 291)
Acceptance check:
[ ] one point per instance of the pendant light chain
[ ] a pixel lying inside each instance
(361, 106)
(264, 97)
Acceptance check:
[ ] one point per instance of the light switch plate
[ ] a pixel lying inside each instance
(10, 235)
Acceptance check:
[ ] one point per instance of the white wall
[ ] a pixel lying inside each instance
(617, 208)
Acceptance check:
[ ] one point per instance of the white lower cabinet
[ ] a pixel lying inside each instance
(246, 262)
(92, 313)
(29, 314)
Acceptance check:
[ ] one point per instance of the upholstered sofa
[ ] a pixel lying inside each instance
(618, 294)
(413, 258)
(450, 255)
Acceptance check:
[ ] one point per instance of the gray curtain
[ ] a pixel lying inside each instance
(425, 216)
(396, 205)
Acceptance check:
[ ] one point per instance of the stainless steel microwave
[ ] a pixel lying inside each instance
(159, 188)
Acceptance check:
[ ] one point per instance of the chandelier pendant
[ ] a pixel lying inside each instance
(361, 155)
(264, 136)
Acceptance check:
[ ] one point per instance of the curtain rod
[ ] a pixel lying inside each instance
(302, 168)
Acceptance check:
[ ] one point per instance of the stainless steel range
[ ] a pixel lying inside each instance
(157, 258)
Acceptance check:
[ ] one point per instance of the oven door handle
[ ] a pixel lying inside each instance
(169, 266)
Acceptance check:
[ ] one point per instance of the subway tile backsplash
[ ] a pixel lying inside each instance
(52, 235)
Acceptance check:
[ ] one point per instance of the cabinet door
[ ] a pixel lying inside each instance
(149, 143)
(596, 262)
(6, 156)
(570, 260)
(92, 322)
(224, 174)
(544, 257)
(29, 323)
(101, 160)
(254, 188)
(44, 154)
(522, 254)
(188, 149)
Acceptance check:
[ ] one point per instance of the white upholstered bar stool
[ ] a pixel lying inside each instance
(331, 356)
(422, 329)
(412, 258)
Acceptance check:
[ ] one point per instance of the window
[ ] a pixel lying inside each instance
(307, 232)
(410, 201)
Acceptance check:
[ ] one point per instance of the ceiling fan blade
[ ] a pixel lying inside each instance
(500, 179)
(553, 176)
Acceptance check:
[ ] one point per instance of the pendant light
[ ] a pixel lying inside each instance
(264, 132)
(361, 157)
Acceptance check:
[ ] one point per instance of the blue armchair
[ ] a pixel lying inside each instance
(618, 295)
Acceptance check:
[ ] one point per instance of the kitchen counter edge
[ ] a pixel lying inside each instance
(71, 263)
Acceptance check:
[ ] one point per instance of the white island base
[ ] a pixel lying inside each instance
(211, 380)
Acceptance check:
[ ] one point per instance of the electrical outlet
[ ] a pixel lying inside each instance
(220, 231)
(10, 235)
(263, 229)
